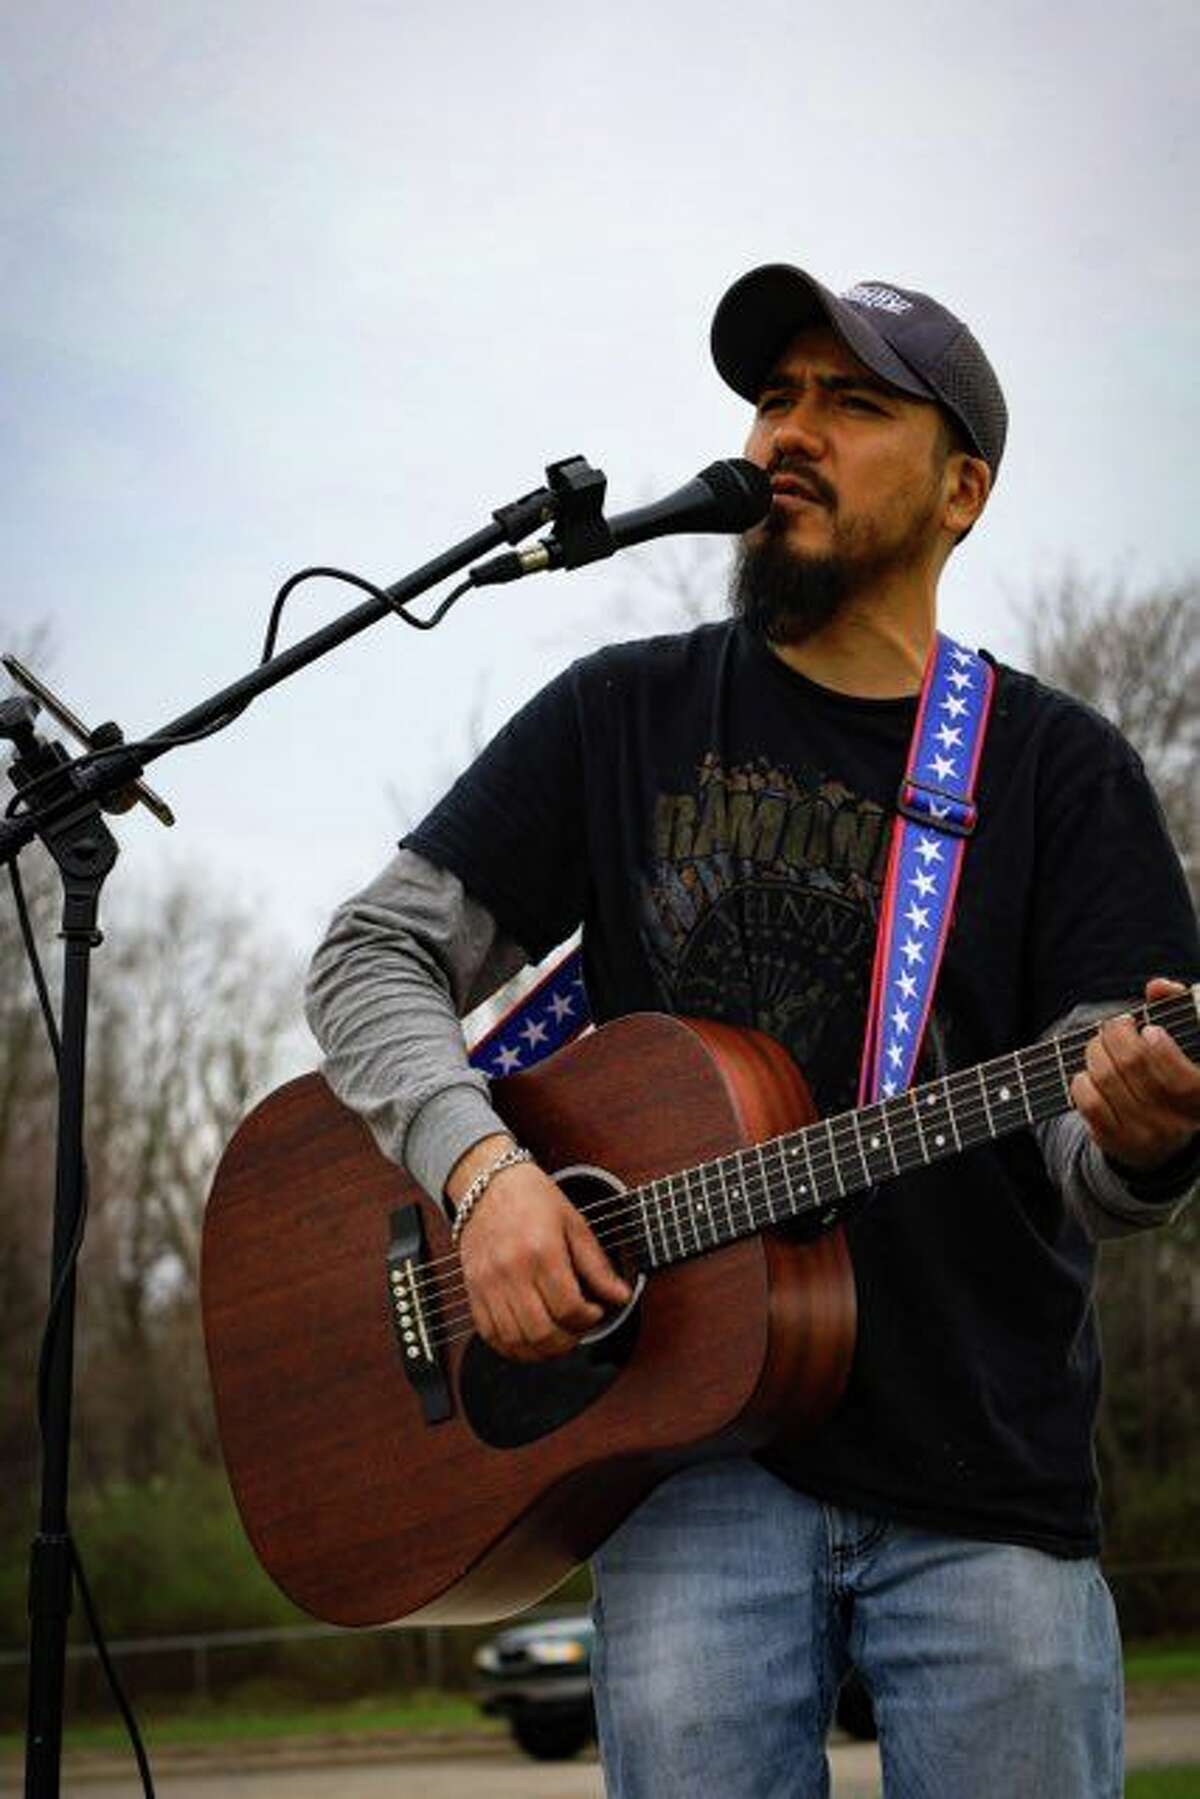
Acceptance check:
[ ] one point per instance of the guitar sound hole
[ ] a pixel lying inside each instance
(510, 1403)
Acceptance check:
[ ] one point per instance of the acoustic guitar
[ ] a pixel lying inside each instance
(389, 1467)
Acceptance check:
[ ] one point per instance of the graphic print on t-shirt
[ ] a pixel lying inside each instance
(761, 909)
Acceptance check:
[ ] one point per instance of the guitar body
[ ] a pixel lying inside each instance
(363, 1509)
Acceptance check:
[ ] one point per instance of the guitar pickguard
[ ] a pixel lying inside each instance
(508, 1404)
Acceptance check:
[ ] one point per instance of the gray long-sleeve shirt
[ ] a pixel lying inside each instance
(404, 959)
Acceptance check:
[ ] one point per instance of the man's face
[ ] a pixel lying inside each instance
(857, 471)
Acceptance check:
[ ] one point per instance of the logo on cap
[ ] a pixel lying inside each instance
(886, 299)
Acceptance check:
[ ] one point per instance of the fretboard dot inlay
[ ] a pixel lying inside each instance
(847, 1158)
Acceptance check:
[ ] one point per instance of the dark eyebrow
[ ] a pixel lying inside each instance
(838, 384)
(779, 382)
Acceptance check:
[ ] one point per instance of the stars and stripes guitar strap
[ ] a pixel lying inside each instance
(554, 1010)
(935, 816)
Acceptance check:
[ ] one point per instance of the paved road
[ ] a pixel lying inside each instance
(498, 1773)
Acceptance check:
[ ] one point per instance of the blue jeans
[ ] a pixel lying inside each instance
(728, 1608)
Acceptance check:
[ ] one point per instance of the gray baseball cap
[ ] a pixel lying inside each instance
(902, 336)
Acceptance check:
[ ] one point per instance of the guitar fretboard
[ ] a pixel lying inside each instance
(812, 1172)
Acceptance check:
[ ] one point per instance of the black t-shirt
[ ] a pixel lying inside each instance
(720, 826)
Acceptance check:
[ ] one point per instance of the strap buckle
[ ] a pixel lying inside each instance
(924, 804)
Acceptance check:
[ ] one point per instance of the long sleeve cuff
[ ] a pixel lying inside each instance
(444, 1129)
(1170, 1181)
(1110, 1200)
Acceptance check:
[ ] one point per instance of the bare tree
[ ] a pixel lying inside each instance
(1135, 656)
(680, 583)
(190, 1004)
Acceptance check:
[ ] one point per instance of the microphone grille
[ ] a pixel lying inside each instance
(742, 491)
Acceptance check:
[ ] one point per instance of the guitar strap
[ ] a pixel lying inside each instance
(554, 1010)
(936, 814)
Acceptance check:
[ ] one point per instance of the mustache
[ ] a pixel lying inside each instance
(809, 478)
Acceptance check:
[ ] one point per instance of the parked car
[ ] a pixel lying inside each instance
(537, 1676)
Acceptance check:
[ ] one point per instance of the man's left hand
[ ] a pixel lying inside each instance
(1139, 1094)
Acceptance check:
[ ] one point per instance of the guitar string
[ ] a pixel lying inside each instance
(1042, 1059)
(681, 1219)
(676, 1211)
(630, 1231)
(754, 1216)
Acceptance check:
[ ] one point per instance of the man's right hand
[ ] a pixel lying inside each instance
(535, 1272)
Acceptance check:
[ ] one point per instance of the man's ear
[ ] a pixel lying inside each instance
(969, 481)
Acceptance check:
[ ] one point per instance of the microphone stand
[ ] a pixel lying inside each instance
(67, 820)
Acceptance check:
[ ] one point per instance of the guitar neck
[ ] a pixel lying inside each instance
(811, 1173)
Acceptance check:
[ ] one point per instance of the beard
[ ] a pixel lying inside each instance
(785, 596)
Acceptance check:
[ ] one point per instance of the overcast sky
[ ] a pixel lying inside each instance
(302, 283)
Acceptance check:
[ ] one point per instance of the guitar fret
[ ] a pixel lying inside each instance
(916, 1112)
(878, 1143)
(950, 1112)
(682, 1211)
(766, 1183)
(671, 1218)
(725, 1196)
(936, 1125)
(692, 1216)
(786, 1150)
(660, 1212)
(885, 1120)
(862, 1154)
(713, 1197)
(949, 1128)
(701, 1211)
(814, 1191)
(647, 1232)
(736, 1195)
(1006, 1105)
(731, 1194)
(654, 1189)
(1062, 1067)
(792, 1149)
(837, 1173)
(686, 1216)
(683, 1214)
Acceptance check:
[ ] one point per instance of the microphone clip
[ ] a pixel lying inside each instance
(581, 532)
(574, 500)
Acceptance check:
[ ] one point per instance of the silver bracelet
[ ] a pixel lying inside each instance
(480, 1185)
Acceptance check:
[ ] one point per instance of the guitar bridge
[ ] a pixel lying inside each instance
(412, 1302)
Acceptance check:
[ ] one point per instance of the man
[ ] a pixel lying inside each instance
(716, 809)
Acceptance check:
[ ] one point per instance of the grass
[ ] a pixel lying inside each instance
(1162, 1661)
(200, 1725)
(1162, 1783)
(263, 1717)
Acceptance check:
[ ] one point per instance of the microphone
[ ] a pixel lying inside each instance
(727, 496)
